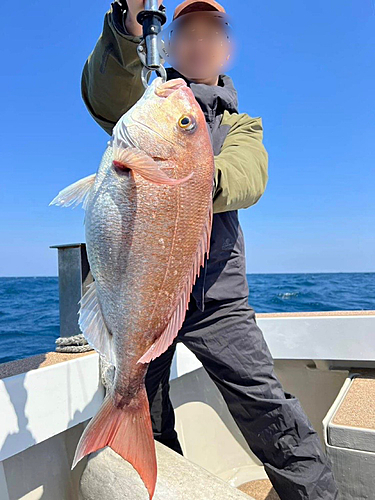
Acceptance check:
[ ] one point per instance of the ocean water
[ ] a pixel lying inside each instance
(29, 307)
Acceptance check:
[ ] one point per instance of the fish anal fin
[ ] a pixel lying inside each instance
(128, 431)
(92, 325)
(75, 193)
(162, 343)
(144, 165)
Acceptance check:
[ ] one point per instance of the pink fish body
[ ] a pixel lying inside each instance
(148, 219)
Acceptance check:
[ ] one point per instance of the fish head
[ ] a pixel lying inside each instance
(166, 123)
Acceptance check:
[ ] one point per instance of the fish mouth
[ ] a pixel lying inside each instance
(165, 89)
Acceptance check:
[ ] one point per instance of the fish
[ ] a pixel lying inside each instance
(148, 221)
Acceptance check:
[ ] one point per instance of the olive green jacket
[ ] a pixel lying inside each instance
(111, 85)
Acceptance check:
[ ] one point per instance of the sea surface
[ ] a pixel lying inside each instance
(29, 307)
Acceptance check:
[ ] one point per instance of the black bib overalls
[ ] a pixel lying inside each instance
(220, 329)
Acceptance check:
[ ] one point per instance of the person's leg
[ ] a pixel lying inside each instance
(157, 386)
(161, 409)
(233, 350)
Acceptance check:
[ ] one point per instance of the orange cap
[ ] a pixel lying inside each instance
(194, 5)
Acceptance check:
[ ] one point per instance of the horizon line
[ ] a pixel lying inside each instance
(251, 273)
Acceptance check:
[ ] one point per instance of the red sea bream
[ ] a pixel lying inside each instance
(148, 219)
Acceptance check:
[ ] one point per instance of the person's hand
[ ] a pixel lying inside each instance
(131, 24)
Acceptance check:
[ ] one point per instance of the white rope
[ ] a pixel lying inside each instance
(107, 372)
(76, 343)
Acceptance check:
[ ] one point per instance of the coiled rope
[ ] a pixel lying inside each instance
(78, 343)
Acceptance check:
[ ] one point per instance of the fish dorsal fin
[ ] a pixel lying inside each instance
(144, 165)
(75, 193)
(162, 343)
(92, 324)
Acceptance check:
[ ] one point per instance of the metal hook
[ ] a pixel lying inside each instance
(151, 19)
(146, 70)
(160, 71)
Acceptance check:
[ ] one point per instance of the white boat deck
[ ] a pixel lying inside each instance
(46, 400)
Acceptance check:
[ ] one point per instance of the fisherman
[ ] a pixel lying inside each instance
(220, 326)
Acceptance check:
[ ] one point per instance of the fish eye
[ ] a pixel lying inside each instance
(187, 122)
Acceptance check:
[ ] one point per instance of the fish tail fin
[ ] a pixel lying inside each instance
(128, 431)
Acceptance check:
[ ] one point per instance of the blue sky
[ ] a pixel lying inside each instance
(307, 68)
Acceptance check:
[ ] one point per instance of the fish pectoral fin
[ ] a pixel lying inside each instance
(92, 325)
(75, 193)
(162, 343)
(144, 165)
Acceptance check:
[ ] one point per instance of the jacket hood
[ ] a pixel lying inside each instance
(213, 99)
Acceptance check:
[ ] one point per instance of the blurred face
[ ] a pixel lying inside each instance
(199, 45)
